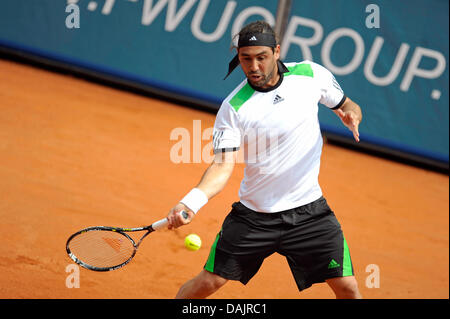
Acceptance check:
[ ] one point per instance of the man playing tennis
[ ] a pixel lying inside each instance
(281, 207)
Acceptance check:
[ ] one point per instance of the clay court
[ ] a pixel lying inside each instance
(75, 154)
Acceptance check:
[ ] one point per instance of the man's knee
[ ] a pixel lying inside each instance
(350, 290)
(201, 286)
(210, 281)
(345, 287)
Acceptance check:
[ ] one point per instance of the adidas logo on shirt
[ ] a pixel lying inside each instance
(277, 99)
(253, 38)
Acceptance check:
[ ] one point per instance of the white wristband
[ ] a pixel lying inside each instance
(194, 200)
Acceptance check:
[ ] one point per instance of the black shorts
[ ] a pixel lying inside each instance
(309, 236)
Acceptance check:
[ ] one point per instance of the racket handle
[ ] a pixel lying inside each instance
(163, 222)
(184, 214)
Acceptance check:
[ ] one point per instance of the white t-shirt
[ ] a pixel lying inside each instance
(278, 131)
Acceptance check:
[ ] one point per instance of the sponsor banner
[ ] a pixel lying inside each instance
(391, 57)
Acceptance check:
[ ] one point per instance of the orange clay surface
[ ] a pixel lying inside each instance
(75, 154)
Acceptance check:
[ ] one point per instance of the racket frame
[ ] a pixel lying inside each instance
(123, 231)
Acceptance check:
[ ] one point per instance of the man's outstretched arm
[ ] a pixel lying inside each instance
(351, 116)
(212, 182)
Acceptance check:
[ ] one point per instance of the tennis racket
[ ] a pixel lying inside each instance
(103, 248)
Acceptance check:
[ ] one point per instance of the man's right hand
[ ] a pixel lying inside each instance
(176, 219)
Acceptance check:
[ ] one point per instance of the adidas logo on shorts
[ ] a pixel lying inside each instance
(333, 264)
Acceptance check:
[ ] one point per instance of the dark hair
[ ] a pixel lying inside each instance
(259, 26)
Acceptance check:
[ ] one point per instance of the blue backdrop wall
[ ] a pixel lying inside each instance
(389, 56)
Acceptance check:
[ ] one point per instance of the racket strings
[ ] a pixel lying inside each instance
(101, 249)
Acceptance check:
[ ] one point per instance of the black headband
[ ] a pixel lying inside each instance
(257, 39)
(251, 39)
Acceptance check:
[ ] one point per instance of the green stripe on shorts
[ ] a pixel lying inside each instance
(212, 255)
(347, 269)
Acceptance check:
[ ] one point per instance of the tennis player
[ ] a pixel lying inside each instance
(272, 115)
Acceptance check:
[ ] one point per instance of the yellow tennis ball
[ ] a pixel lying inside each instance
(193, 242)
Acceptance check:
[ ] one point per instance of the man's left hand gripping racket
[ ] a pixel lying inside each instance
(103, 248)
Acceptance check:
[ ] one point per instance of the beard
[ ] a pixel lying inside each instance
(262, 81)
